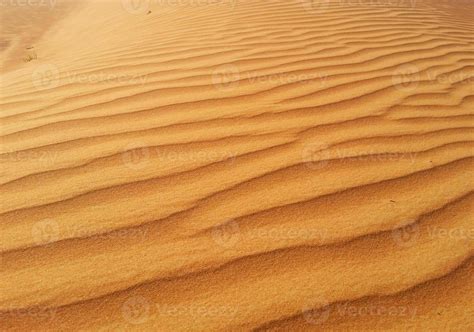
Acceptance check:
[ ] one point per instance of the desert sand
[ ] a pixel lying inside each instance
(237, 165)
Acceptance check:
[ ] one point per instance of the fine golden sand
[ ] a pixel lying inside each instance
(237, 165)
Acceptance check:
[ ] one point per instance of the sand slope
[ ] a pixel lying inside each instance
(237, 165)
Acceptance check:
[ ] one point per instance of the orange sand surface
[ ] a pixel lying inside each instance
(237, 165)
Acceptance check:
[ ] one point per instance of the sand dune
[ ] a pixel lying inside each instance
(237, 165)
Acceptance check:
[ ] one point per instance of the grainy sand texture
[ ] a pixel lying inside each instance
(236, 165)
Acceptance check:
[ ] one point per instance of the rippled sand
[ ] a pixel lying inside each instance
(237, 165)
